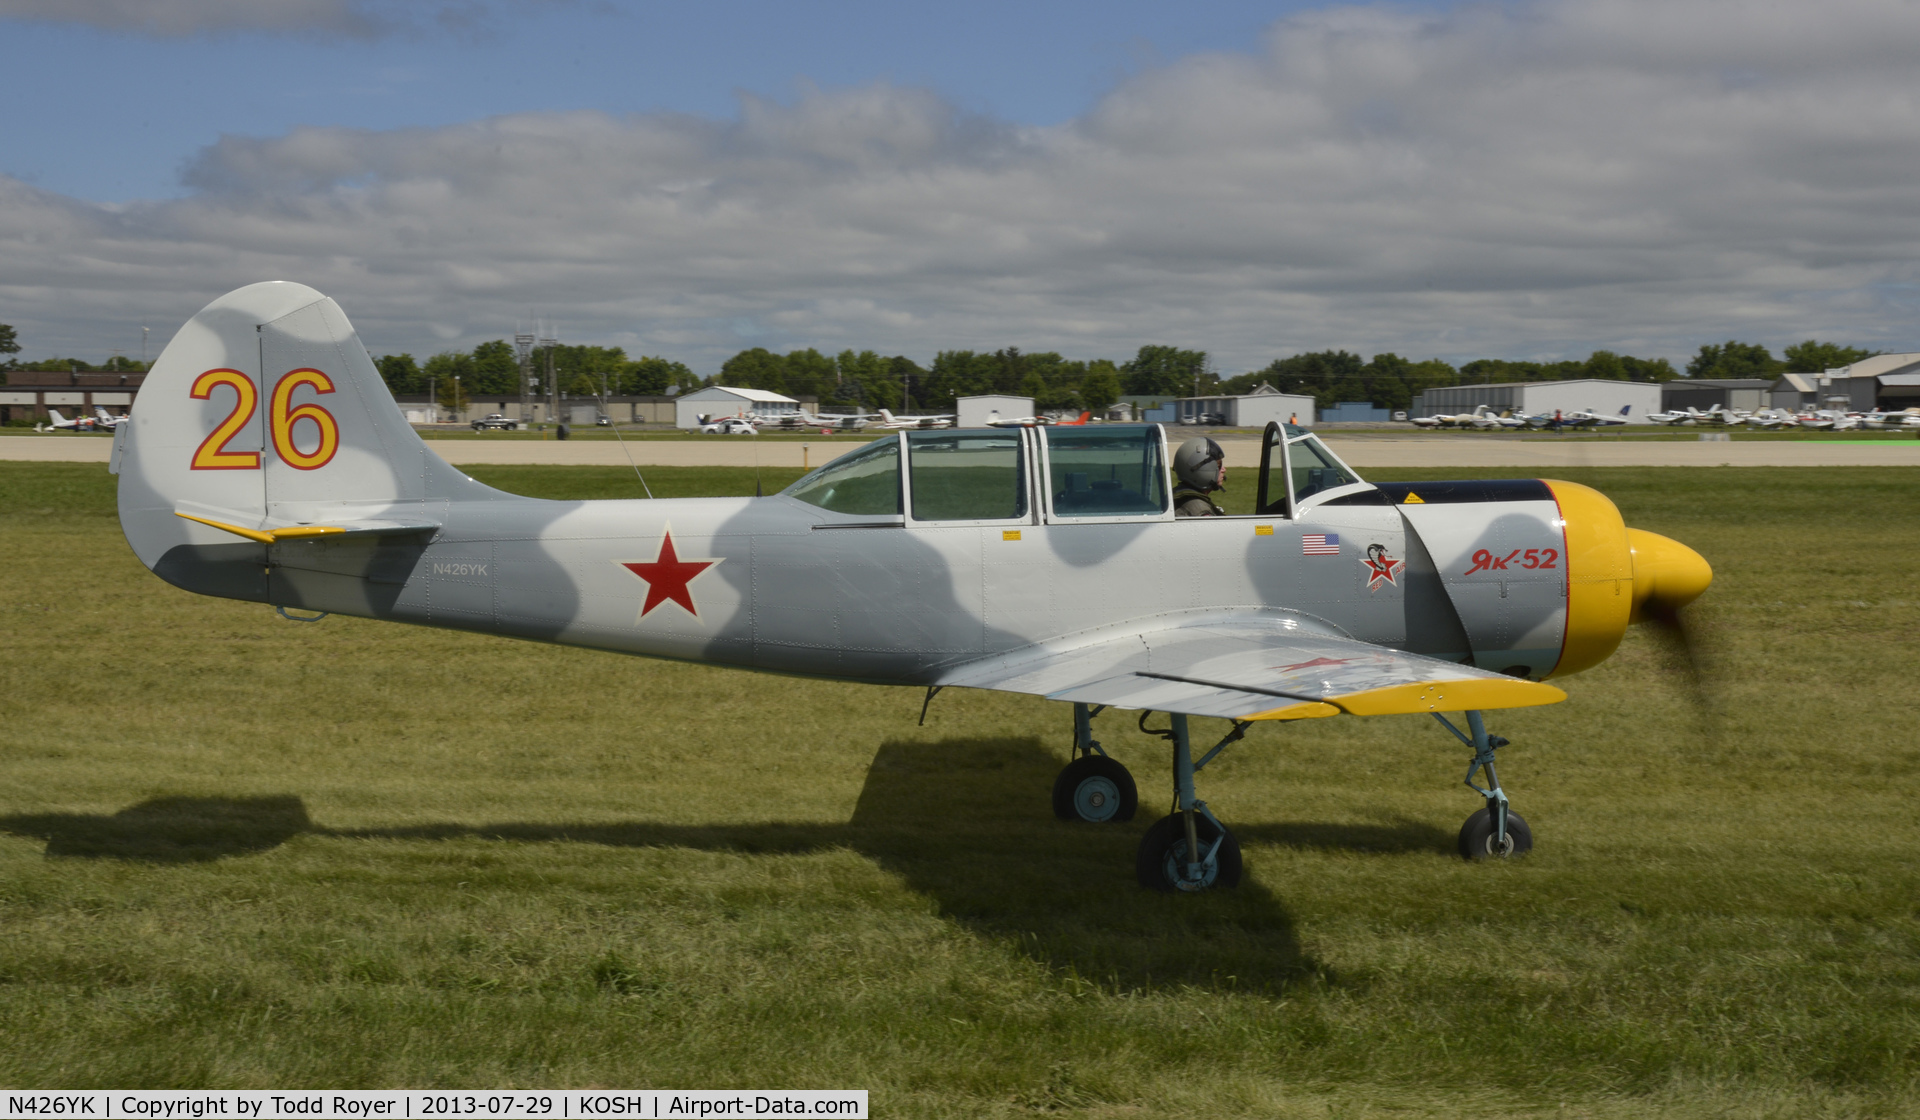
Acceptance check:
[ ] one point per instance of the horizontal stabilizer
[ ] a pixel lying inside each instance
(269, 532)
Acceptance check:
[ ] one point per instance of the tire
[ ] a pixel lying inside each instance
(1164, 849)
(1476, 837)
(1095, 789)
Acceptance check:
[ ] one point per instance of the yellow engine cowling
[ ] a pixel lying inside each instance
(1616, 576)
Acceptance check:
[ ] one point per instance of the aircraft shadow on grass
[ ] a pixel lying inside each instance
(948, 818)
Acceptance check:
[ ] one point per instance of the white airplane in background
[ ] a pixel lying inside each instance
(890, 422)
(1587, 418)
(1036, 421)
(104, 419)
(786, 421)
(1882, 420)
(1770, 418)
(1691, 416)
(60, 423)
(1480, 417)
(844, 421)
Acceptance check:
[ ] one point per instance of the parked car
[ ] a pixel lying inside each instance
(496, 420)
(729, 426)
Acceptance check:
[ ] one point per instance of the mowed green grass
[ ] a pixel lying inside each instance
(238, 851)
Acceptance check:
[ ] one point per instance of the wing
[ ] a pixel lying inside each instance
(1247, 666)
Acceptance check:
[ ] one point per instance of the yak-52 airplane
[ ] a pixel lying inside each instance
(266, 461)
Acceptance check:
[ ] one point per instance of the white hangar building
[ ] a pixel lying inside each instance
(979, 412)
(1589, 394)
(720, 400)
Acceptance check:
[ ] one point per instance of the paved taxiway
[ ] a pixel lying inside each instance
(1365, 453)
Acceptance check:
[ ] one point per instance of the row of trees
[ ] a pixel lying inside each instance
(1744, 359)
(492, 370)
(866, 379)
(10, 344)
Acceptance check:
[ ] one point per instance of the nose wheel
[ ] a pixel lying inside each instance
(1478, 842)
(1495, 832)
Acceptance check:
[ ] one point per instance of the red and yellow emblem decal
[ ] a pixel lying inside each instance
(1381, 568)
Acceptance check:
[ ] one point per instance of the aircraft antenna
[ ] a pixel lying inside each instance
(621, 440)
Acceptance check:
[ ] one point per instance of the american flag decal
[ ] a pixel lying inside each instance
(1320, 544)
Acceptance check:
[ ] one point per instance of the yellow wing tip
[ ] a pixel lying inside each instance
(1473, 694)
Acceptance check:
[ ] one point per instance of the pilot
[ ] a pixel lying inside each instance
(1200, 468)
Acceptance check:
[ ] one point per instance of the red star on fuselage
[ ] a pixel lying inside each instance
(667, 577)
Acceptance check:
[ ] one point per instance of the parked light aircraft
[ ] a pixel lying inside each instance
(1690, 416)
(104, 419)
(844, 421)
(803, 420)
(1480, 417)
(1768, 419)
(1587, 418)
(1887, 420)
(59, 423)
(890, 422)
(267, 462)
(1038, 421)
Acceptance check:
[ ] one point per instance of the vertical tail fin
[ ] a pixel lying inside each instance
(264, 413)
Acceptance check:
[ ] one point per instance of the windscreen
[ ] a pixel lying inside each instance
(866, 482)
(1109, 470)
(1314, 468)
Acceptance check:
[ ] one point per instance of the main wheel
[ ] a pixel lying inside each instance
(1162, 864)
(1476, 837)
(1096, 789)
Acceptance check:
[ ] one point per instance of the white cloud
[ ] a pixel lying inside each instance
(1527, 180)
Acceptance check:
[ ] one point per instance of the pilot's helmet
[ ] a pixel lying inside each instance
(1194, 463)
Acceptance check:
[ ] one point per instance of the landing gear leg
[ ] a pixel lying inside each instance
(1189, 849)
(1093, 787)
(1495, 832)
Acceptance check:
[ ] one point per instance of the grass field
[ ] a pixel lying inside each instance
(237, 851)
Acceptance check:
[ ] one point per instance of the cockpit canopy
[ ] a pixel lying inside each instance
(1104, 473)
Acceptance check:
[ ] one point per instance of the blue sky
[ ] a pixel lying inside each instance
(113, 115)
(1519, 179)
